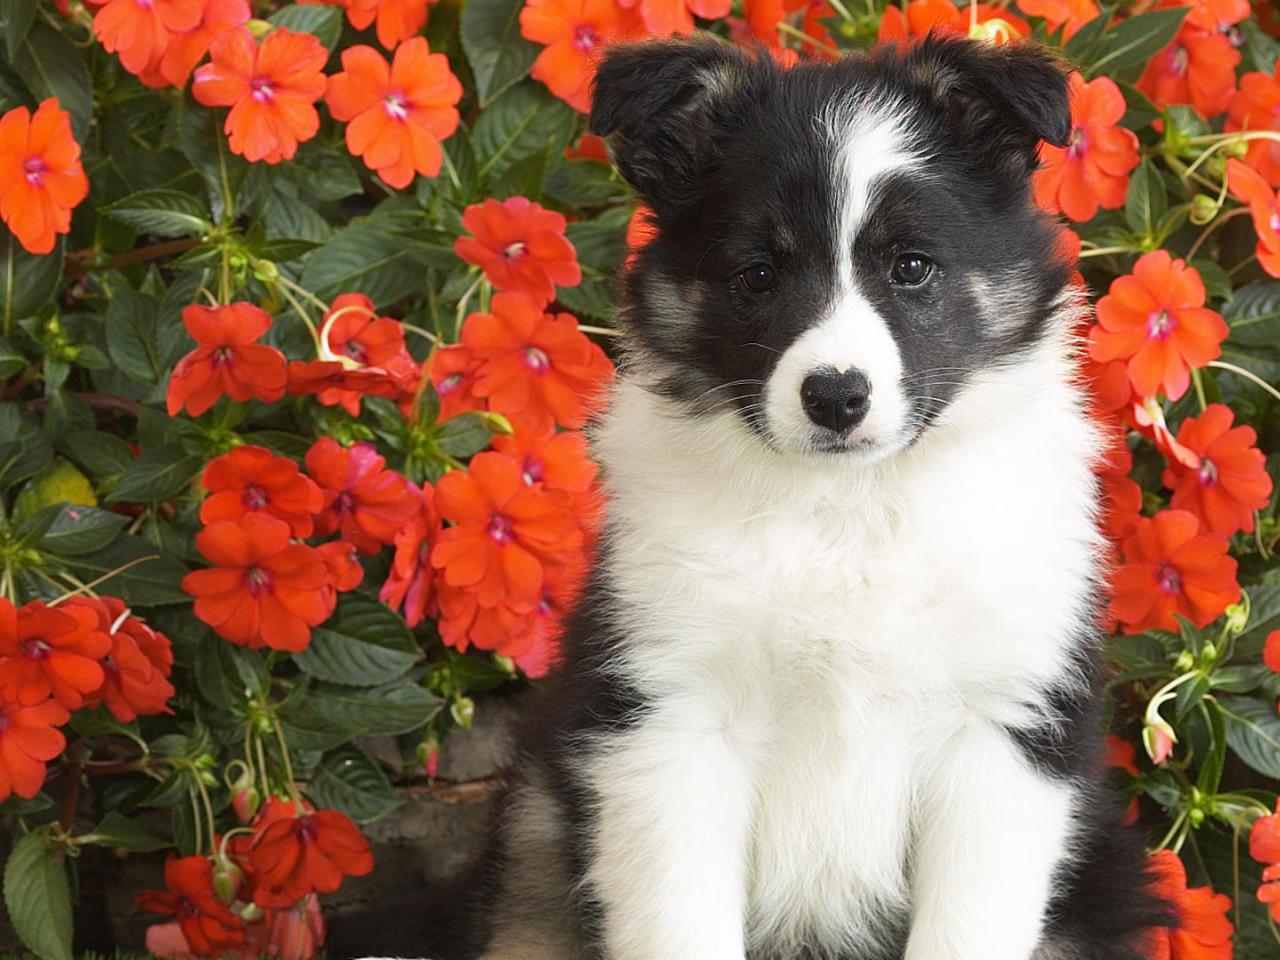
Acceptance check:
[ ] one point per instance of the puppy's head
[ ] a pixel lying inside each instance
(839, 247)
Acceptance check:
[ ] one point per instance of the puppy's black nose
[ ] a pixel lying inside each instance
(837, 401)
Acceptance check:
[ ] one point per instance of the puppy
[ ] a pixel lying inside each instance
(832, 693)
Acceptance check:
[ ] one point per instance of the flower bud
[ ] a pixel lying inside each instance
(1195, 816)
(1184, 662)
(259, 28)
(1236, 149)
(1158, 740)
(1203, 209)
(428, 754)
(1238, 616)
(463, 711)
(227, 878)
(245, 802)
(264, 270)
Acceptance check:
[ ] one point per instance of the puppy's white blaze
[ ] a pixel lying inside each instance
(852, 336)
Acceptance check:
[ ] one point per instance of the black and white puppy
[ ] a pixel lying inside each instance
(832, 691)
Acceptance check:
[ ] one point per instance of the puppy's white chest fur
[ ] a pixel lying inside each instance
(829, 629)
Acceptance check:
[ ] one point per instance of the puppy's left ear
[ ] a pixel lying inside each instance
(1003, 99)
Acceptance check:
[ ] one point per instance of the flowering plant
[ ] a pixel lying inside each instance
(303, 307)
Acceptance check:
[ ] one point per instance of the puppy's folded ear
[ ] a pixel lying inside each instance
(661, 103)
(1002, 99)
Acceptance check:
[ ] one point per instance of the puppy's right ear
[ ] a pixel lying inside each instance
(659, 102)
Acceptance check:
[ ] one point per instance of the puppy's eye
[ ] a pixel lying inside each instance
(911, 270)
(759, 278)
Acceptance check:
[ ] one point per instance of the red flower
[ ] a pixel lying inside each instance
(1248, 186)
(1093, 171)
(1264, 846)
(1204, 932)
(297, 932)
(28, 740)
(410, 581)
(1074, 13)
(338, 382)
(1171, 567)
(294, 856)
(574, 34)
(366, 503)
(1271, 651)
(342, 561)
(137, 667)
(1256, 106)
(398, 20)
(399, 114)
(453, 375)
(662, 18)
(1219, 15)
(227, 360)
(1123, 755)
(139, 30)
(535, 367)
(250, 479)
(942, 16)
(503, 531)
(187, 48)
(1156, 319)
(1231, 481)
(52, 651)
(520, 246)
(41, 179)
(270, 89)
(262, 590)
(1198, 67)
(1121, 497)
(208, 925)
(362, 355)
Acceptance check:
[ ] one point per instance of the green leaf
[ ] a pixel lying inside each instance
(329, 715)
(324, 23)
(1263, 50)
(1080, 48)
(1241, 678)
(1217, 285)
(29, 450)
(16, 18)
(100, 454)
(11, 361)
(1253, 730)
(38, 897)
(228, 675)
(1140, 110)
(148, 582)
(203, 143)
(160, 473)
(524, 120)
(463, 435)
(322, 172)
(366, 257)
(121, 833)
(362, 645)
(592, 298)
(347, 780)
(498, 54)
(584, 183)
(1146, 200)
(1254, 315)
(1211, 765)
(78, 530)
(52, 67)
(1135, 41)
(27, 280)
(131, 336)
(164, 213)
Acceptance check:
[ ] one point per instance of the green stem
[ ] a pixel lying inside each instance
(1247, 374)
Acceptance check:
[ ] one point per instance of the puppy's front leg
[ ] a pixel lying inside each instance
(992, 831)
(668, 858)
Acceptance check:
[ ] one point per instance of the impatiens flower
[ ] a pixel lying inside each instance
(506, 628)
(398, 115)
(227, 360)
(28, 740)
(306, 853)
(1123, 755)
(270, 89)
(1219, 15)
(453, 375)
(1256, 106)
(520, 246)
(1074, 14)
(409, 583)
(208, 925)
(1093, 169)
(661, 18)
(52, 652)
(1231, 481)
(1271, 651)
(362, 355)
(295, 932)
(1120, 495)
(342, 568)
(764, 16)
(1204, 932)
(262, 590)
(397, 20)
(138, 30)
(1198, 67)
(574, 34)
(1148, 417)
(187, 48)
(1248, 186)
(559, 462)
(502, 531)
(1170, 567)
(248, 479)
(535, 367)
(1155, 319)
(41, 180)
(1264, 846)
(364, 502)
(136, 669)
(922, 17)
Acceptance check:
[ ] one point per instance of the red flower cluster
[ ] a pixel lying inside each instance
(292, 853)
(161, 41)
(85, 652)
(1199, 66)
(1204, 932)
